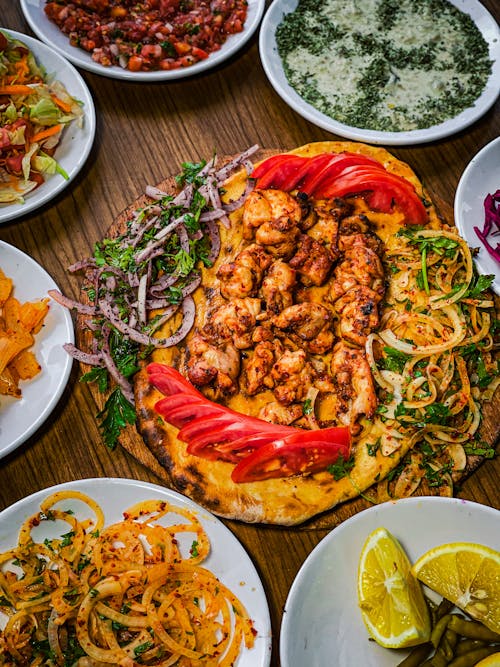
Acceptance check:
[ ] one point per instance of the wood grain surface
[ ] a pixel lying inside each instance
(144, 133)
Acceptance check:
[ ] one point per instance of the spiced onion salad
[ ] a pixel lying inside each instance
(134, 592)
(433, 360)
(142, 279)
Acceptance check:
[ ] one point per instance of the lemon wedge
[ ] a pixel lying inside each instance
(391, 600)
(468, 575)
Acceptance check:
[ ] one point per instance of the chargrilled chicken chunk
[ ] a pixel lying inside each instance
(368, 239)
(312, 260)
(259, 366)
(358, 311)
(235, 321)
(354, 389)
(214, 365)
(359, 266)
(277, 286)
(293, 375)
(329, 214)
(263, 206)
(242, 276)
(276, 413)
(308, 322)
(279, 237)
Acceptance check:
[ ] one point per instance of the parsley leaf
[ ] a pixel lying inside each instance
(115, 416)
(341, 468)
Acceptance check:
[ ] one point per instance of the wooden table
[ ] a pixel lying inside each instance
(144, 133)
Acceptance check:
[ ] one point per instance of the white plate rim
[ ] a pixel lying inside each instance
(229, 560)
(464, 208)
(58, 329)
(70, 156)
(50, 34)
(271, 63)
(352, 534)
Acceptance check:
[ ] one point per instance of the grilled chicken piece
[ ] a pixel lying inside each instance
(235, 321)
(217, 366)
(358, 310)
(313, 261)
(264, 206)
(276, 413)
(329, 214)
(368, 239)
(259, 365)
(242, 277)
(292, 375)
(279, 237)
(354, 389)
(308, 322)
(354, 224)
(360, 265)
(277, 286)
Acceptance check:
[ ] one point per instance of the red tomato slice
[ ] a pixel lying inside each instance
(180, 409)
(317, 177)
(279, 175)
(291, 456)
(169, 381)
(387, 187)
(268, 164)
(311, 166)
(215, 432)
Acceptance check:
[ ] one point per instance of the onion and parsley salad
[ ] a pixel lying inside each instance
(143, 279)
(34, 111)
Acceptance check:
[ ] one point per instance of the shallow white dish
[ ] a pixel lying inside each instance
(480, 178)
(273, 68)
(321, 617)
(50, 34)
(20, 418)
(76, 143)
(228, 560)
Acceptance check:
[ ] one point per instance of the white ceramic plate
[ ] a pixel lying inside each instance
(480, 178)
(228, 560)
(321, 617)
(273, 67)
(76, 143)
(20, 418)
(50, 34)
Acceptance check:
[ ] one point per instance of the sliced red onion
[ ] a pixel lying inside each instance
(213, 232)
(141, 298)
(71, 304)
(83, 357)
(183, 238)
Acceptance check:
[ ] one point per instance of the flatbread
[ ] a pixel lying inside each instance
(283, 501)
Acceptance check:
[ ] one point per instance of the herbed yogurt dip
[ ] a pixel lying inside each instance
(389, 65)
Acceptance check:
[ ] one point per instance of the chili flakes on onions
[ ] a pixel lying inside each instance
(149, 35)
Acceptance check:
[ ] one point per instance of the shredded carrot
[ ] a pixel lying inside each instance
(15, 89)
(22, 70)
(48, 132)
(62, 105)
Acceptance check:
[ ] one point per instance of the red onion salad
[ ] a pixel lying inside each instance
(491, 225)
(153, 266)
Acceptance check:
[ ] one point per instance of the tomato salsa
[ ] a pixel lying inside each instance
(148, 35)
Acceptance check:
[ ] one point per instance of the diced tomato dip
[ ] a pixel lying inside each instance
(148, 35)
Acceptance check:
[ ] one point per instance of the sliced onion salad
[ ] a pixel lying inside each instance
(433, 361)
(153, 266)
